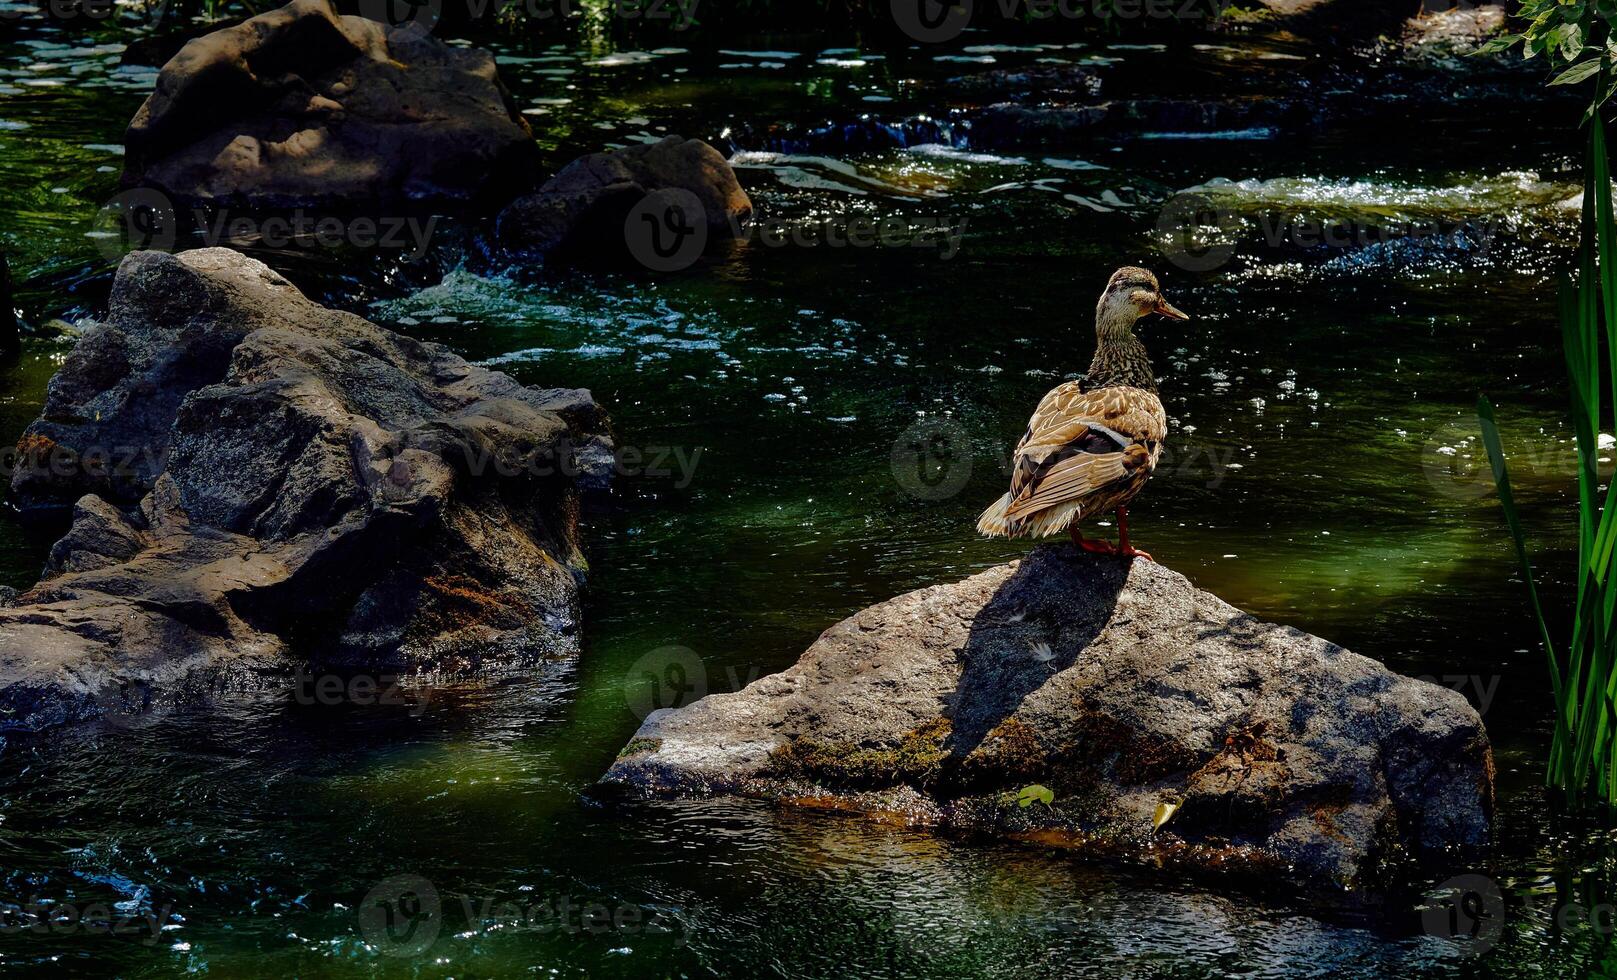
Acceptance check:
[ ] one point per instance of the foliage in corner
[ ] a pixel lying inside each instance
(1574, 36)
(1583, 679)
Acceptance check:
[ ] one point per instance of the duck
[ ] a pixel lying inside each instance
(1093, 443)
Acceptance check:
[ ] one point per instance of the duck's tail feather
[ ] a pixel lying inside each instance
(1052, 520)
(993, 522)
(1039, 524)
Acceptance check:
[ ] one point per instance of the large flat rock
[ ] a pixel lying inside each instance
(1122, 688)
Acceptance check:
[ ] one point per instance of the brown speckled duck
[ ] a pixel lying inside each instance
(1092, 444)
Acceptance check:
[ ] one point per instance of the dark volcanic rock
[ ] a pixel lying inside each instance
(155, 50)
(1122, 688)
(303, 107)
(583, 208)
(171, 328)
(334, 493)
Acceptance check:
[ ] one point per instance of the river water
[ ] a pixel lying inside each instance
(820, 427)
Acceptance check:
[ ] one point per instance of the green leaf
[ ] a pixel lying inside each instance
(1572, 44)
(1498, 44)
(1035, 794)
(1579, 72)
(1507, 501)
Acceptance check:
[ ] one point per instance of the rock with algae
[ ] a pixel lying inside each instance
(1130, 694)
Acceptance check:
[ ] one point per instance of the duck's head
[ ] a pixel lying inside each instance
(1130, 294)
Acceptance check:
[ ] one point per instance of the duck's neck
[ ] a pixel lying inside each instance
(1121, 361)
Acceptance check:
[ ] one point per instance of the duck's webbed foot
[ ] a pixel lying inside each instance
(1126, 549)
(1090, 544)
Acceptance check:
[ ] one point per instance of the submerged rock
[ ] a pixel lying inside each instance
(584, 208)
(1130, 694)
(322, 490)
(1041, 83)
(301, 106)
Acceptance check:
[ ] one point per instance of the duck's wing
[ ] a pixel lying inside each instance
(1081, 441)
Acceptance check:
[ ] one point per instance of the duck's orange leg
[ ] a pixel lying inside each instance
(1123, 537)
(1085, 544)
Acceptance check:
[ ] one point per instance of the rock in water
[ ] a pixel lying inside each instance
(303, 107)
(584, 207)
(318, 489)
(1125, 690)
(171, 327)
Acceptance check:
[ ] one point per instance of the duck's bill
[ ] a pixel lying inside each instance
(1167, 309)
